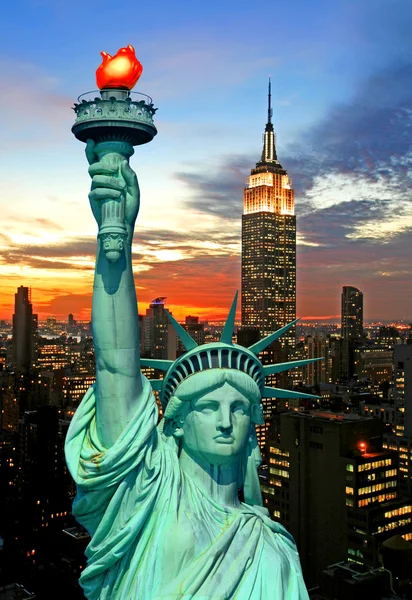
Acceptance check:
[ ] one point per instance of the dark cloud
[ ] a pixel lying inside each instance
(57, 256)
(367, 138)
(219, 192)
(330, 226)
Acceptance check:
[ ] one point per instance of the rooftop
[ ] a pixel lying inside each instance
(15, 591)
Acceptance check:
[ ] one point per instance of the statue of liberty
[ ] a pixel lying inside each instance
(161, 501)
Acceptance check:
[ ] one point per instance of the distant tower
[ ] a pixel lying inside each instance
(24, 330)
(352, 313)
(269, 244)
(351, 330)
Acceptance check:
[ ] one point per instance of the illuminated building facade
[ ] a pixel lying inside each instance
(351, 330)
(74, 387)
(374, 363)
(325, 471)
(401, 441)
(269, 244)
(352, 313)
(317, 346)
(269, 259)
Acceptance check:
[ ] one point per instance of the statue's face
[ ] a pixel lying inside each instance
(217, 427)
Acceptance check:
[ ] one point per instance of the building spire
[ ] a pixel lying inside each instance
(270, 111)
(269, 156)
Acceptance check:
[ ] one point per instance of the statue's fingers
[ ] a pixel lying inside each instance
(90, 153)
(99, 169)
(107, 182)
(129, 176)
(100, 194)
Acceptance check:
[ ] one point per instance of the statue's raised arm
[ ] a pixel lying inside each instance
(115, 319)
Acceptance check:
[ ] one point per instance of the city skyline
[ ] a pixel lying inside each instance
(340, 88)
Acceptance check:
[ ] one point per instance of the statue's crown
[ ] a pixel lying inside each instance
(222, 355)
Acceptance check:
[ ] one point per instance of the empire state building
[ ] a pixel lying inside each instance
(269, 244)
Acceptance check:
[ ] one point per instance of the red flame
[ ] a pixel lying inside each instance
(119, 71)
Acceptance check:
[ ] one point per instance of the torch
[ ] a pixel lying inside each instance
(116, 121)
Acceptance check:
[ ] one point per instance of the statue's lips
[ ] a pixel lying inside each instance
(220, 439)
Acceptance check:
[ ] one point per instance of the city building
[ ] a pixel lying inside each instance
(269, 260)
(334, 488)
(24, 331)
(74, 387)
(401, 440)
(15, 591)
(374, 363)
(71, 324)
(317, 346)
(351, 330)
(195, 329)
(159, 338)
(269, 244)
(348, 580)
(352, 313)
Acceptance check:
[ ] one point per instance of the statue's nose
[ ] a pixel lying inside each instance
(225, 421)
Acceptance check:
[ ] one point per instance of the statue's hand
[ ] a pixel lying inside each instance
(111, 178)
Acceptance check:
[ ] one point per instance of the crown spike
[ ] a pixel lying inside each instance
(155, 363)
(188, 342)
(262, 344)
(226, 337)
(279, 367)
(270, 392)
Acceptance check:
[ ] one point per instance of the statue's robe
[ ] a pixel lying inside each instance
(155, 535)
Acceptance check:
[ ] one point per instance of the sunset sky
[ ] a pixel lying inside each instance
(342, 101)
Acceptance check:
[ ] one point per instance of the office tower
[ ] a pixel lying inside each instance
(352, 313)
(401, 441)
(71, 324)
(351, 329)
(74, 388)
(269, 259)
(374, 363)
(158, 335)
(24, 331)
(53, 354)
(10, 409)
(269, 244)
(334, 488)
(317, 346)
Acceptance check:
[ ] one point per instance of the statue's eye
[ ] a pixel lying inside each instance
(207, 407)
(242, 409)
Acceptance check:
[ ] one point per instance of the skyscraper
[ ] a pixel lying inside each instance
(352, 313)
(269, 244)
(269, 259)
(158, 335)
(401, 440)
(24, 330)
(351, 329)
